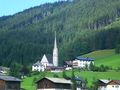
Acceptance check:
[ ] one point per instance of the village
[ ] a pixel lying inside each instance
(50, 63)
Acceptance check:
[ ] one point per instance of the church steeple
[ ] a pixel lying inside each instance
(55, 52)
(55, 42)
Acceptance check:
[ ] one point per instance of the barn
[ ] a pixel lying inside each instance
(9, 83)
(49, 83)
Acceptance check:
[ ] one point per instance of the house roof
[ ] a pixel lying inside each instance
(115, 81)
(84, 58)
(69, 62)
(106, 82)
(9, 78)
(37, 64)
(58, 80)
(3, 68)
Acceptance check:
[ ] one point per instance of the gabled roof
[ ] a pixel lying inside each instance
(9, 78)
(58, 80)
(115, 81)
(49, 58)
(44, 59)
(37, 64)
(84, 58)
(68, 62)
(107, 82)
(104, 81)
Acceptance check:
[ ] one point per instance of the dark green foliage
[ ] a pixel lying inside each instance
(56, 76)
(64, 74)
(95, 84)
(118, 69)
(101, 68)
(14, 69)
(117, 49)
(24, 71)
(92, 67)
(26, 36)
(73, 80)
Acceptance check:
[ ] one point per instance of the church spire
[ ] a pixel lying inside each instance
(55, 52)
(55, 42)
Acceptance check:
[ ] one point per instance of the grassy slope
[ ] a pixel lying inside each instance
(105, 57)
(90, 76)
(28, 83)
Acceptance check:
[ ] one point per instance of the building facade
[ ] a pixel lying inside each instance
(44, 61)
(108, 84)
(38, 67)
(82, 62)
(53, 84)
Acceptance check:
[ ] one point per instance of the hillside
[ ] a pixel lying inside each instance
(105, 57)
(80, 26)
(28, 83)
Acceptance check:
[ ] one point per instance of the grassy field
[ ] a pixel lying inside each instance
(29, 82)
(105, 57)
(90, 76)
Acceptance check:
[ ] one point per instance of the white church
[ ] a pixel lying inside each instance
(44, 63)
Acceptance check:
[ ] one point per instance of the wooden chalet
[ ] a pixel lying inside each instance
(48, 83)
(9, 83)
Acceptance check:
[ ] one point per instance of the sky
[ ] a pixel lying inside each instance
(10, 7)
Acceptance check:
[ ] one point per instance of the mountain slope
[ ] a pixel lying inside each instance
(80, 25)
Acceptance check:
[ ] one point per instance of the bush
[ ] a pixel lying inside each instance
(101, 68)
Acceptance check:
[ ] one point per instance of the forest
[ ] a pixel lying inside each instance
(82, 26)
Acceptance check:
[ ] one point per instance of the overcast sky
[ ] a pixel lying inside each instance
(9, 7)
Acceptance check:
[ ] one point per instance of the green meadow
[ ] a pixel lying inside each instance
(29, 82)
(105, 57)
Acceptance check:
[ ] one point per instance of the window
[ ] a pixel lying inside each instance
(117, 86)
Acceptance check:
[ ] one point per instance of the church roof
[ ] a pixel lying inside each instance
(44, 59)
(49, 58)
(37, 63)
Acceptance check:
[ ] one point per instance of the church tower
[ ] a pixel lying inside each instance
(55, 53)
